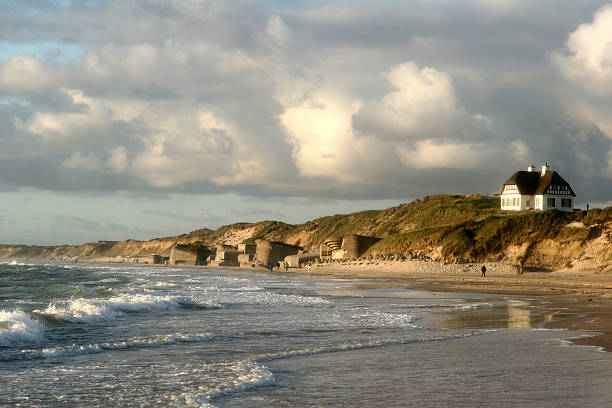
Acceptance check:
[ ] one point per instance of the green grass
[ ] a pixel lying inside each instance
(463, 226)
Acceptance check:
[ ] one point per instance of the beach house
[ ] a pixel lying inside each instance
(537, 190)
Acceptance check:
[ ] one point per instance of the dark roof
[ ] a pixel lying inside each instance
(532, 182)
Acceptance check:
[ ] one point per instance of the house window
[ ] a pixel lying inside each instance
(551, 202)
(537, 203)
(528, 203)
(566, 203)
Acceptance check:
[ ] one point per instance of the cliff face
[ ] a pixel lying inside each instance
(445, 227)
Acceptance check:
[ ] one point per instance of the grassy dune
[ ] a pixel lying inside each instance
(446, 226)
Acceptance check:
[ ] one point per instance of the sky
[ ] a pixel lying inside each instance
(140, 119)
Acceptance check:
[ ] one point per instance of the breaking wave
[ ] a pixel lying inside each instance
(83, 310)
(238, 376)
(136, 342)
(18, 328)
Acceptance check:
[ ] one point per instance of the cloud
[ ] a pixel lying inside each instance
(24, 74)
(587, 59)
(421, 100)
(586, 65)
(203, 219)
(418, 125)
(325, 100)
(70, 222)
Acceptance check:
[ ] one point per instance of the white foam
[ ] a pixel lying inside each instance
(239, 376)
(474, 306)
(361, 346)
(17, 328)
(256, 297)
(135, 342)
(83, 310)
(387, 320)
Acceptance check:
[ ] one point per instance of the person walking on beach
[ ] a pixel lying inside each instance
(286, 266)
(483, 270)
(521, 267)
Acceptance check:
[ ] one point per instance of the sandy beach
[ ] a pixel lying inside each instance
(578, 301)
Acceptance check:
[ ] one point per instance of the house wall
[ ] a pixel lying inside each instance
(539, 202)
(515, 201)
(545, 205)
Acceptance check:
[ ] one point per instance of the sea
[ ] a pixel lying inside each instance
(116, 335)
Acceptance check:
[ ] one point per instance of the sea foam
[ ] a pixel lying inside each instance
(386, 320)
(238, 376)
(83, 310)
(18, 328)
(131, 343)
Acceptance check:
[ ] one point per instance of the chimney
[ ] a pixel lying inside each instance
(531, 168)
(545, 168)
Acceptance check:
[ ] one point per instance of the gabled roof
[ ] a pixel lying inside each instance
(552, 178)
(525, 181)
(533, 183)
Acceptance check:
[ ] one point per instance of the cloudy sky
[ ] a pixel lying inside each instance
(138, 119)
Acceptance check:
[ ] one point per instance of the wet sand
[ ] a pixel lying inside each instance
(579, 301)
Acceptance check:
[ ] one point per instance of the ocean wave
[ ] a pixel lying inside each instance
(136, 342)
(18, 328)
(238, 377)
(83, 310)
(15, 263)
(362, 345)
(227, 297)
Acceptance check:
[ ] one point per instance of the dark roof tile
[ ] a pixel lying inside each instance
(533, 183)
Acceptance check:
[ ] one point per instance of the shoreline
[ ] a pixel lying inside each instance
(579, 301)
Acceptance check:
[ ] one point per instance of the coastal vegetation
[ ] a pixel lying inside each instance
(452, 228)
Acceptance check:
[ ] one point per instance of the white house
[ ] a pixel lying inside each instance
(528, 190)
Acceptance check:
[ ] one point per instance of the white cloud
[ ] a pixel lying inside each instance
(321, 134)
(63, 127)
(429, 154)
(586, 64)
(419, 124)
(520, 151)
(279, 31)
(335, 99)
(24, 74)
(421, 101)
(587, 59)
